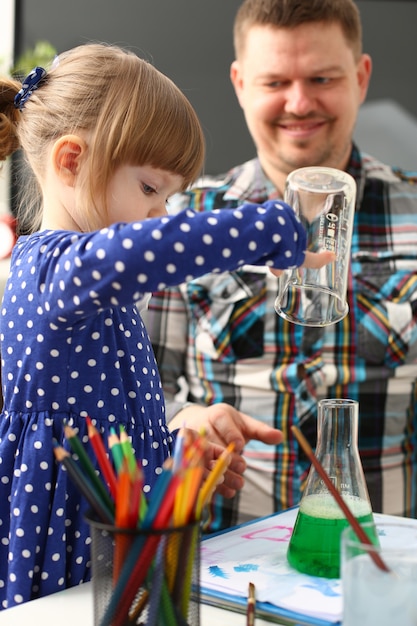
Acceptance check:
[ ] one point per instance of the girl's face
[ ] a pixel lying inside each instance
(138, 192)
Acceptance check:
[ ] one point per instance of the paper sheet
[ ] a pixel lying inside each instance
(256, 552)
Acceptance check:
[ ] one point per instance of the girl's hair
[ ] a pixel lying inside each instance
(293, 13)
(129, 111)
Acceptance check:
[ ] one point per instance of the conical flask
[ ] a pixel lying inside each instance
(314, 546)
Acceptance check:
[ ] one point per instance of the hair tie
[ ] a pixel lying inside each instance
(29, 85)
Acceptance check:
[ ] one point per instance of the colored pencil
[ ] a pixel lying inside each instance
(137, 498)
(85, 461)
(83, 484)
(127, 449)
(213, 478)
(122, 540)
(179, 451)
(141, 565)
(138, 562)
(156, 583)
(102, 457)
(177, 498)
(116, 450)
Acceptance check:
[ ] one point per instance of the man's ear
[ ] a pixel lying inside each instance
(237, 81)
(67, 155)
(364, 71)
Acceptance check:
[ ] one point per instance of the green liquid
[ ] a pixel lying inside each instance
(315, 542)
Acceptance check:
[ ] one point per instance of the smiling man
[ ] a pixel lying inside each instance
(300, 76)
(300, 88)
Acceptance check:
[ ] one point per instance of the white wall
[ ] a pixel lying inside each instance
(6, 61)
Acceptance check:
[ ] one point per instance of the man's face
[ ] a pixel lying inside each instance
(300, 90)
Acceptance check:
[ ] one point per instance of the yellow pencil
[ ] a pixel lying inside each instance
(213, 478)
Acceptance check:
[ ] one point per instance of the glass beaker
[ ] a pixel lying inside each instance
(314, 546)
(324, 200)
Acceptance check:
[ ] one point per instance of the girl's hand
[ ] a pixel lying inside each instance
(313, 260)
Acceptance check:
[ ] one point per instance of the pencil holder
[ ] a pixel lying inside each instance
(147, 577)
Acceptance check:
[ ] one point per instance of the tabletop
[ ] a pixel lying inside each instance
(75, 606)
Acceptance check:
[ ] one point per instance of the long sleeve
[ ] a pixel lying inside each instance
(126, 260)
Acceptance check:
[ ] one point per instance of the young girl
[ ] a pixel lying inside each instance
(109, 139)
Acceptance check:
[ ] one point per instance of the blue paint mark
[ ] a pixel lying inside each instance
(324, 587)
(247, 567)
(217, 572)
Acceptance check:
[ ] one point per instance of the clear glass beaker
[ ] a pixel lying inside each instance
(324, 200)
(314, 546)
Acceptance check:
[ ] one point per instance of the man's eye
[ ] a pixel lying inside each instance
(321, 80)
(147, 188)
(274, 84)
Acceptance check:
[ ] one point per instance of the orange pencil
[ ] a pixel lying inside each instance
(122, 519)
(102, 457)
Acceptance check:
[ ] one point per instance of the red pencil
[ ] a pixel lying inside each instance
(102, 457)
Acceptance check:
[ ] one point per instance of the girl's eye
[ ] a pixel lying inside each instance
(148, 189)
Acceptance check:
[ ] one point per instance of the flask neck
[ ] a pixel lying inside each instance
(337, 429)
(337, 451)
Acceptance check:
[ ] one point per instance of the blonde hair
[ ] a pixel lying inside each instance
(292, 13)
(131, 112)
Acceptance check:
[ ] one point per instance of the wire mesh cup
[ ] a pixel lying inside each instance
(147, 577)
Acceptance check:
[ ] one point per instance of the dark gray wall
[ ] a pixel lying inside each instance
(191, 41)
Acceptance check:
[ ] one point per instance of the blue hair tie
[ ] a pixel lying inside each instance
(29, 85)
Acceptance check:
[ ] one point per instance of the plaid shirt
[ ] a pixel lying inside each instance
(222, 335)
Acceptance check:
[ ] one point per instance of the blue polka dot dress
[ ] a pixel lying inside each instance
(73, 344)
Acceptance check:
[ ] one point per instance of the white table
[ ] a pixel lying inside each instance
(74, 607)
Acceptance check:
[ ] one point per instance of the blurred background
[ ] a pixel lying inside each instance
(191, 42)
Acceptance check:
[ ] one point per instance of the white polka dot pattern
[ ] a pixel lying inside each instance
(73, 344)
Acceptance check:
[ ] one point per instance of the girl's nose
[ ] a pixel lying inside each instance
(159, 210)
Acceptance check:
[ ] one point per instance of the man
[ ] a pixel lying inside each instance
(300, 77)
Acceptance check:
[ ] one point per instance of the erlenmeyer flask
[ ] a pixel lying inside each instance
(314, 546)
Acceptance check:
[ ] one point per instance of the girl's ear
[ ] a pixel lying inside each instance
(67, 155)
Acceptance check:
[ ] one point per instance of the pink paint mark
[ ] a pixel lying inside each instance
(273, 533)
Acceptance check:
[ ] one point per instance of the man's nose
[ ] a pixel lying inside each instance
(299, 99)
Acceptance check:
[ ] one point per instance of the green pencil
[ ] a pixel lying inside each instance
(116, 449)
(127, 449)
